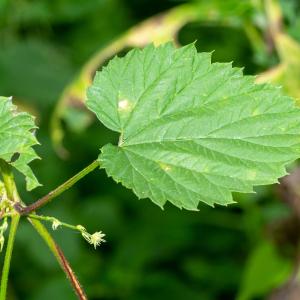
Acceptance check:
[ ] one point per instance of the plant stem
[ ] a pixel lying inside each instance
(59, 190)
(5, 272)
(13, 195)
(52, 219)
(43, 232)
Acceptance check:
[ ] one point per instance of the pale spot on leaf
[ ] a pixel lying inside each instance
(214, 138)
(124, 105)
(165, 167)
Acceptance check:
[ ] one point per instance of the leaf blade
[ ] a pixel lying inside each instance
(17, 137)
(190, 130)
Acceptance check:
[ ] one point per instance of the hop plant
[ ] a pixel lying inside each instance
(190, 132)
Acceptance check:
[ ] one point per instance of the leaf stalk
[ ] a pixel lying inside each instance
(59, 190)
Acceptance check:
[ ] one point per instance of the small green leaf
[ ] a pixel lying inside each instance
(16, 140)
(265, 270)
(191, 131)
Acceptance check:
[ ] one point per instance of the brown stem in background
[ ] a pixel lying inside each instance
(287, 232)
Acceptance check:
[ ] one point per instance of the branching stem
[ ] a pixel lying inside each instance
(13, 196)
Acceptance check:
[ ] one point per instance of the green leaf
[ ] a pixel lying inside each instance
(265, 270)
(16, 140)
(191, 131)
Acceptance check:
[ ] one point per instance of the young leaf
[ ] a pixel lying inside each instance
(16, 140)
(191, 130)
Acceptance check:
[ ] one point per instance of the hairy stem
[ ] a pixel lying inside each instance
(59, 190)
(55, 249)
(5, 271)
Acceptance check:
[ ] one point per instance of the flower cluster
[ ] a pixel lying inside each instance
(94, 239)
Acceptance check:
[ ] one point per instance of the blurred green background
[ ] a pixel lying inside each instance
(49, 51)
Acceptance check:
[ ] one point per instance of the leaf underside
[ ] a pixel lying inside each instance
(190, 130)
(16, 140)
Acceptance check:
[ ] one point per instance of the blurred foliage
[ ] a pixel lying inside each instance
(263, 261)
(46, 46)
